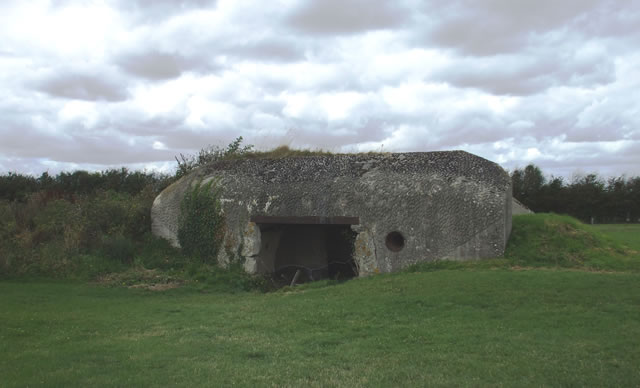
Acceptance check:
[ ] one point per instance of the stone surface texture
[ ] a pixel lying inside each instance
(446, 205)
(519, 208)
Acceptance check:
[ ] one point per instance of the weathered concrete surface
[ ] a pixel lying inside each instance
(445, 205)
(518, 208)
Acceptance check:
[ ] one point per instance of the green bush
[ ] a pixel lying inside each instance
(211, 154)
(46, 234)
(104, 213)
(157, 253)
(7, 233)
(78, 224)
(56, 216)
(201, 223)
(118, 248)
(138, 220)
(112, 213)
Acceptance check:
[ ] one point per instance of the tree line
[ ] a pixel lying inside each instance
(590, 198)
(18, 187)
(68, 185)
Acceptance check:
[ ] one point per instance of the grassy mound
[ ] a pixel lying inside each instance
(544, 240)
(555, 241)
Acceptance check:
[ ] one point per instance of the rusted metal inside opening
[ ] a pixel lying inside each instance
(305, 220)
(312, 251)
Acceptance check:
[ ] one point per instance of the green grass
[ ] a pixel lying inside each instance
(625, 234)
(488, 327)
(562, 309)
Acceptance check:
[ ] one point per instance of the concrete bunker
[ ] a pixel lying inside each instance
(300, 249)
(381, 212)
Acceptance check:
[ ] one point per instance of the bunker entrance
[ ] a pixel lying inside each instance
(302, 249)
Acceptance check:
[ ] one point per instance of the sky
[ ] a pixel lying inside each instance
(98, 84)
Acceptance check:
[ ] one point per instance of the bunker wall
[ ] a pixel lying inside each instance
(442, 205)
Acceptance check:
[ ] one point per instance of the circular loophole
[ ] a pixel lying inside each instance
(395, 241)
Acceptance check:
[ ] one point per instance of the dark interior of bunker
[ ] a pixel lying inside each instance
(298, 253)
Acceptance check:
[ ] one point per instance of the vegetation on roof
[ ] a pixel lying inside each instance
(236, 150)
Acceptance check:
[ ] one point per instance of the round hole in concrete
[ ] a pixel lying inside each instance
(395, 241)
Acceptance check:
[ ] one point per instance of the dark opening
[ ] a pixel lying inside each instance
(305, 220)
(313, 252)
(395, 241)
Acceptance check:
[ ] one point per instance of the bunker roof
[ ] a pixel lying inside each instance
(450, 164)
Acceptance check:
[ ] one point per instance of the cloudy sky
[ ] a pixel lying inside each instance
(100, 83)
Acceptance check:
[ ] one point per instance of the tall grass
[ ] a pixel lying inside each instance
(80, 236)
(106, 236)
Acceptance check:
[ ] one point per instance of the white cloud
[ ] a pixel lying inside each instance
(83, 112)
(78, 30)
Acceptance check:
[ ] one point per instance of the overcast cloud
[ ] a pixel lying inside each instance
(108, 83)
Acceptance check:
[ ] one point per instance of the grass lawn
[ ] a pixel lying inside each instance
(627, 234)
(449, 327)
